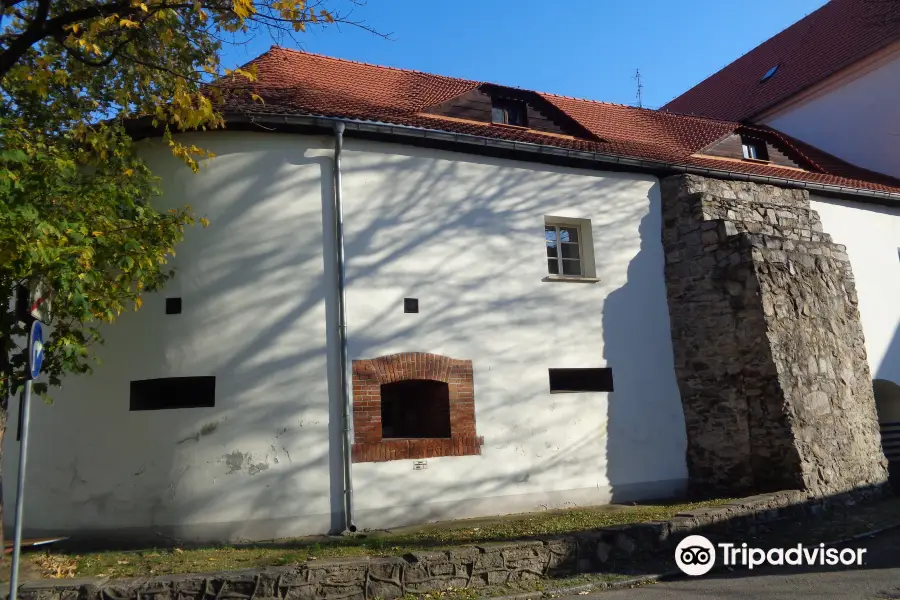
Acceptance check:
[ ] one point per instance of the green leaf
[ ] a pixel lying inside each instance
(13, 156)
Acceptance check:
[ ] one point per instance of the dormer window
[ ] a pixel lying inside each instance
(754, 149)
(508, 112)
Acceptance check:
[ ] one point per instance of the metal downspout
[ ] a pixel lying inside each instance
(346, 398)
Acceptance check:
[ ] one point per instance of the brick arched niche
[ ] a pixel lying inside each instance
(368, 378)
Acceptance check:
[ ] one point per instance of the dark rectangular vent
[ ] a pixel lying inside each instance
(581, 380)
(173, 306)
(173, 392)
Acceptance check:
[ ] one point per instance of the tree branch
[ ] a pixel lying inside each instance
(41, 27)
(130, 37)
(20, 45)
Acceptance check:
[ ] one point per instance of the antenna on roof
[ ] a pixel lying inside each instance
(640, 88)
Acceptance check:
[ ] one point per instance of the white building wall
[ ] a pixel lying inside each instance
(858, 121)
(872, 236)
(462, 234)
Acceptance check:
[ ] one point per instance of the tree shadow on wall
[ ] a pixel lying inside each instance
(481, 311)
(250, 485)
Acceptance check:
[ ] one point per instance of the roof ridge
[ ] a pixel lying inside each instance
(367, 64)
(467, 80)
(660, 110)
(591, 100)
(478, 82)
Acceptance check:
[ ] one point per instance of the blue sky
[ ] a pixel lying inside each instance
(581, 48)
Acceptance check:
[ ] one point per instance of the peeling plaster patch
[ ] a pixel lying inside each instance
(207, 429)
(254, 469)
(275, 453)
(235, 461)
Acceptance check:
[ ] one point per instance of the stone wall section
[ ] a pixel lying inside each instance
(769, 350)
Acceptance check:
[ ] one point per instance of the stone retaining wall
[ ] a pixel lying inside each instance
(472, 567)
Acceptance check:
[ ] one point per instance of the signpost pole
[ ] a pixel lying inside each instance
(35, 359)
(20, 493)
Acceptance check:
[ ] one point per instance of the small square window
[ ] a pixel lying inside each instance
(508, 112)
(173, 306)
(415, 408)
(569, 246)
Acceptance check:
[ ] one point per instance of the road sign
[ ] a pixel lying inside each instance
(35, 350)
(39, 301)
(33, 301)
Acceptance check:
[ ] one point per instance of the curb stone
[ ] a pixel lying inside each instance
(587, 587)
(604, 585)
(863, 535)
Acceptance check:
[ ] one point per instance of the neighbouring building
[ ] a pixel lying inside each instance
(689, 317)
(832, 80)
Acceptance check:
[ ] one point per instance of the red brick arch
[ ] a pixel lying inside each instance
(368, 377)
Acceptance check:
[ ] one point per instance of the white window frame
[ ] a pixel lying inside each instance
(560, 260)
(749, 151)
(585, 249)
(753, 149)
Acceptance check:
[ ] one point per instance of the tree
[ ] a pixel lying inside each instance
(75, 199)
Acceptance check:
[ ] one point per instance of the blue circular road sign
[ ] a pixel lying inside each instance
(35, 349)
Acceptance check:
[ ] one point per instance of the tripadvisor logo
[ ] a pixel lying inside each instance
(696, 555)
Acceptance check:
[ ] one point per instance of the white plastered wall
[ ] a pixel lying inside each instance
(463, 234)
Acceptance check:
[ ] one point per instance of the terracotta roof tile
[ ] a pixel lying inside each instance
(833, 37)
(293, 82)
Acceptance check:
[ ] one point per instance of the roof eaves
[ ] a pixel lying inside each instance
(641, 164)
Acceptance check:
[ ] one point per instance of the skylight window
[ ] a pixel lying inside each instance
(769, 74)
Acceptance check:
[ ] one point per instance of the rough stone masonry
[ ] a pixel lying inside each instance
(769, 350)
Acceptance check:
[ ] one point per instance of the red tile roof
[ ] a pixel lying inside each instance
(293, 82)
(835, 36)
